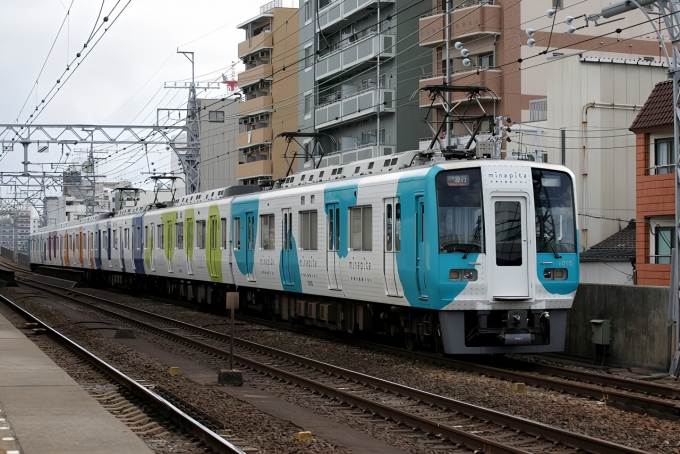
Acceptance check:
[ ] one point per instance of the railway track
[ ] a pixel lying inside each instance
(140, 392)
(471, 426)
(622, 393)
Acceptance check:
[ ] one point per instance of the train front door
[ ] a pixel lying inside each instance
(509, 269)
(333, 246)
(286, 245)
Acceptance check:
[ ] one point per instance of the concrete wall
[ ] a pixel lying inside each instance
(615, 273)
(641, 333)
(7, 253)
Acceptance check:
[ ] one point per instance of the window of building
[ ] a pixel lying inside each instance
(224, 232)
(179, 235)
(200, 234)
(663, 240)
(486, 60)
(216, 116)
(308, 230)
(664, 161)
(267, 232)
(361, 228)
(309, 55)
(308, 104)
(557, 4)
(308, 11)
(160, 236)
(237, 234)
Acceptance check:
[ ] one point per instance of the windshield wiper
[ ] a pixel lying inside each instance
(552, 246)
(475, 236)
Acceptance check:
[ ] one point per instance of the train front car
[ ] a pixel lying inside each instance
(507, 260)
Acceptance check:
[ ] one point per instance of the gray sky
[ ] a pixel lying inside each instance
(119, 82)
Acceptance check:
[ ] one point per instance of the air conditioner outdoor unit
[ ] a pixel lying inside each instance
(251, 120)
(264, 53)
(263, 117)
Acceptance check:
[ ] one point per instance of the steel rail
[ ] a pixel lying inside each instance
(621, 400)
(167, 409)
(554, 434)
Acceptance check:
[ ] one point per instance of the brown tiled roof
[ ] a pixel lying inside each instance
(658, 109)
(619, 246)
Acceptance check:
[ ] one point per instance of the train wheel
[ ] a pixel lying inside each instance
(409, 343)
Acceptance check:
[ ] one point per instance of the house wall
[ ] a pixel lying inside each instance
(219, 156)
(595, 102)
(655, 197)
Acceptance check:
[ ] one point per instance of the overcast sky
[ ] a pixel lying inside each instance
(121, 81)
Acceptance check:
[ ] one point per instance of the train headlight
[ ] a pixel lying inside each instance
(463, 275)
(555, 274)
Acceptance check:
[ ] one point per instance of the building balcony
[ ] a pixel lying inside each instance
(255, 106)
(490, 78)
(467, 20)
(254, 169)
(254, 137)
(359, 153)
(361, 51)
(362, 104)
(254, 75)
(262, 41)
(338, 12)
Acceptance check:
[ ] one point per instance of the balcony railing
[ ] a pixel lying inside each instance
(254, 137)
(364, 103)
(259, 41)
(664, 259)
(337, 12)
(360, 51)
(254, 75)
(466, 20)
(661, 170)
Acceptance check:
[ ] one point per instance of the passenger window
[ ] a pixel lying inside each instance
(361, 228)
(308, 230)
(267, 232)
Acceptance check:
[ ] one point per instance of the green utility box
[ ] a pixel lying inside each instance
(600, 331)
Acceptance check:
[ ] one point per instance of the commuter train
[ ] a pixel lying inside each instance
(466, 256)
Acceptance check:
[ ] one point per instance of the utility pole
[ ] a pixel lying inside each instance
(448, 70)
(191, 157)
(670, 11)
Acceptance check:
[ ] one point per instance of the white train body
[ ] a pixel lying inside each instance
(470, 256)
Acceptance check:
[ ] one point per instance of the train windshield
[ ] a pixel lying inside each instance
(459, 211)
(554, 202)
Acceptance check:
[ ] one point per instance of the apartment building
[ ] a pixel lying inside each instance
(270, 86)
(14, 230)
(655, 186)
(359, 65)
(219, 131)
(494, 34)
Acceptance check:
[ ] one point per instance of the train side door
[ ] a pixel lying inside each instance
(392, 246)
(214, 244)
(168, 243)
(286, 245)
(510, 268)
(420, 248)
(333, 246)
(189, 243)
(250, 245)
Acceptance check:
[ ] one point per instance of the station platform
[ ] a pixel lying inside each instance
(44, 411)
